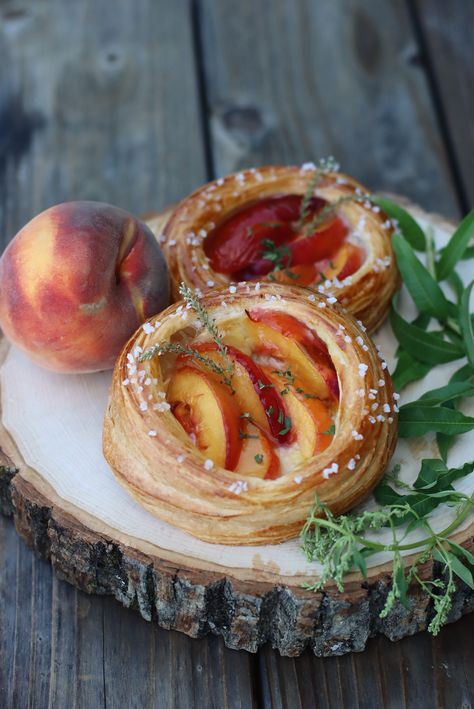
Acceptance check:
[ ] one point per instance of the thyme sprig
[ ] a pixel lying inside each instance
(325, 165)
(192, 301)
(321, 216)
(188, 351)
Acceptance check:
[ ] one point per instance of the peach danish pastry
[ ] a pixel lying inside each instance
(304, 226)
(228, 412)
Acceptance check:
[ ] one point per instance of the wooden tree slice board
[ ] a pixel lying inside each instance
(68, 506)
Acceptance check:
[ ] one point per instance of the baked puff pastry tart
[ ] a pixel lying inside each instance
(227, 413)
(299, 226)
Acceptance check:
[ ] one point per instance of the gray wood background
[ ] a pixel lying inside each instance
(136, 103)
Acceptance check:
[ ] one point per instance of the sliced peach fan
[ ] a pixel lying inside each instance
(269, 239)
(229, 434)
(276, 410)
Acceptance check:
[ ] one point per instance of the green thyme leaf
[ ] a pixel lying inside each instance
(456, 247)
(425, 291)
(244, 435)
(259, 458)
(451, 391)
(331, 431)
(430, 473)
(416, 420)
(463, 374)
(328, 210)
(435, 476)
(465, 321)
(460, 551)
(308, 196)
(410, 229)
(287, 426)
(408, 370)
(457, 567)
(424, 346)
(455, 281)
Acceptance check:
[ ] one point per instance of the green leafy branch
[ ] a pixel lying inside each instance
(342, 544)
(450, 339)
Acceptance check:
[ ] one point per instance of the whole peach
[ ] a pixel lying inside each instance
(77, 281)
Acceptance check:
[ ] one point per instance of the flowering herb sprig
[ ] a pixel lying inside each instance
(342, 544)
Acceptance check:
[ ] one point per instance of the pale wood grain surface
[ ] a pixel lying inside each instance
(112, 109)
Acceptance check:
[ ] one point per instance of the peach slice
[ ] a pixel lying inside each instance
(303, 275)
(354, 258)
(257, 456)
(290, 327)
(308, 340)
(265, 341)
(253, 391)
(208, 414)
(330, 268)
(311, 419)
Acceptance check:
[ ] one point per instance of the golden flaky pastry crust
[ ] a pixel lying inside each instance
(155, 460)
(366, 294)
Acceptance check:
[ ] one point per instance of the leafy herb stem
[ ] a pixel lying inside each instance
(430, 252)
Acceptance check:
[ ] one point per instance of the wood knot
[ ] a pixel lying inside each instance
(17, 128)
(112, 60)
(245, 124)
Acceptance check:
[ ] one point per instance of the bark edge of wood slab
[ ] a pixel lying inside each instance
(197, 601)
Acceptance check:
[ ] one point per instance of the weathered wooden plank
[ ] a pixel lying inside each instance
(303, 80)
(417, 672)
(92, 106)
(446, 32)
(453, 660)
(97, 101)
(50, 650)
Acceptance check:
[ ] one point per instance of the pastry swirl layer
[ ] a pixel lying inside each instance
(155, 460)
(366, 293)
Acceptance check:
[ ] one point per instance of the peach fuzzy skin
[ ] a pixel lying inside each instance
(77, 281)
